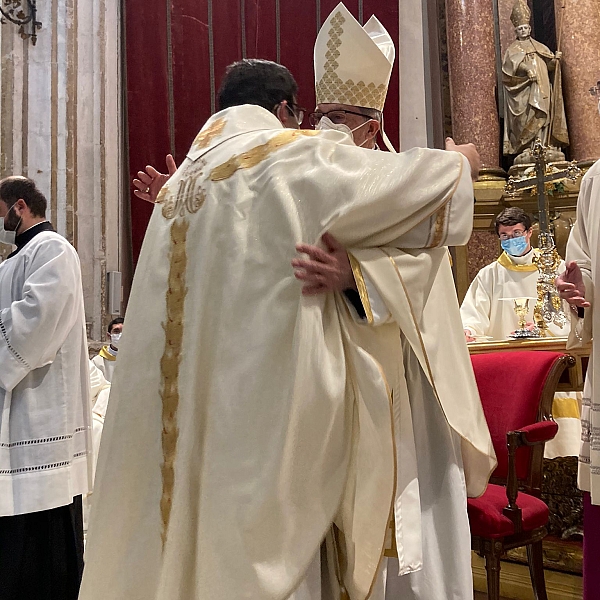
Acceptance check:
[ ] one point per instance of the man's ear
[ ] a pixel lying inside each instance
(21, 206)
(373, 129)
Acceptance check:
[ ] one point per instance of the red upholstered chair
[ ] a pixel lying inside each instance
(516, 389)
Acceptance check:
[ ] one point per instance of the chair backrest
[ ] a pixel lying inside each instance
(517, 389)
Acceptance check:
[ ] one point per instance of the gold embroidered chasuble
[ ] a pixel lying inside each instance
(228, 452)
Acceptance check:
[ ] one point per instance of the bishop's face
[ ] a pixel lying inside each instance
(523, 31)
(363, 128)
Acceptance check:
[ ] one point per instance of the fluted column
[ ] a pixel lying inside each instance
(580, 45)
(472, 66)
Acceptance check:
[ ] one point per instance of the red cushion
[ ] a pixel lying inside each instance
(487, 520)
(510, 385)
(543, 431)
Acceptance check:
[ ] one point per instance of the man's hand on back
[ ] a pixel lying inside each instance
(325, 270)
(149, 182)
(570, 286)
(470, 151)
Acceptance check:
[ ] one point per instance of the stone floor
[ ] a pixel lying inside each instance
(482, 596)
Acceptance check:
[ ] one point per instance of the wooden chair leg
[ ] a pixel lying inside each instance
(535, 558)
(492, 567)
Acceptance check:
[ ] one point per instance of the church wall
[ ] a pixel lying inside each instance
(61, 125)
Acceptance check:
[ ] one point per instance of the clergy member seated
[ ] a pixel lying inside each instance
(487, 309)
(107, 357)
(485, 313)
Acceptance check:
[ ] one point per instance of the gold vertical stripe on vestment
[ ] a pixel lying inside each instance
(362, 287)
(169, 365)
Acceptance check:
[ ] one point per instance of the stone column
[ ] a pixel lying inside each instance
(61, 124)
(472, 66)
(578, 28)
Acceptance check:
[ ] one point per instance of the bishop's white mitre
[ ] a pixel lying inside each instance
(353, 64)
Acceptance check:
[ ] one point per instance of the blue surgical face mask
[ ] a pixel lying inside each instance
(515, 246)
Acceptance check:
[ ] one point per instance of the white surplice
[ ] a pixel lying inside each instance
(256, 419)
(484, 313)
(106, 360)
(584, 248)
(45, 443)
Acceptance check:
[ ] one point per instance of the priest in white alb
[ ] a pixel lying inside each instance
(45, 419)
(487, 312)
(257, 419)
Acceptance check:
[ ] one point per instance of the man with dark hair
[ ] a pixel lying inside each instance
(488, 312)
(106, 359)
(45, 419)
(266, 416)
(513, 275)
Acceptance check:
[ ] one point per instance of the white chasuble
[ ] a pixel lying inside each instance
(584, 248)
(254, 421)
(45, 439)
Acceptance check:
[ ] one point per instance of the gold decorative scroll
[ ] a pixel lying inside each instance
(190, 195)
(256, 155)
(169, 365)
(206, 136)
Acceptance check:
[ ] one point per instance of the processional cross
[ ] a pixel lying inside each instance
(548, 308)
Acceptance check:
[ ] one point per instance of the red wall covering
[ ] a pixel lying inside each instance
(177, 51)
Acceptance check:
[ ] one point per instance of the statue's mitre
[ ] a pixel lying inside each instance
(520, 15)
(353, 64)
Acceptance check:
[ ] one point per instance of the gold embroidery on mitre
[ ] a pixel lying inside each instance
(169, 366)
(256, 155)
(206, 136)
(330, 89)
(190, 195)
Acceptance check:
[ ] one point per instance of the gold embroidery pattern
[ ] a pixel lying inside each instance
(439, 226)
(256, 155)
(169, 366)
(206, 136)
(504, 261)
(190, 195)
(330, 89)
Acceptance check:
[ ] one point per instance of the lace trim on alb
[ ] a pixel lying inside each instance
(10, 347)
(56, 465)
(57, 438)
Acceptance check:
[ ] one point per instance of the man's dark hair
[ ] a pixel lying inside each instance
(372, 113)
(513, 216)
(17, 188)
(114, 322)
(256, 81)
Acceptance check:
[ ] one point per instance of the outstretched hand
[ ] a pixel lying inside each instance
(150, 181)
(325, 270)
(468, 150)
(570, 286)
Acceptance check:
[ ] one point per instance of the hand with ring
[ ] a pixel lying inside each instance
(149, 182)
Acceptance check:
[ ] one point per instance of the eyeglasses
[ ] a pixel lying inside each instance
(298, 112)
(515, 234)
(335, 116)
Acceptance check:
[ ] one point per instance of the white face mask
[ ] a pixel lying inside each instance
(6, 236)
(115, 339)
(326, 124)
